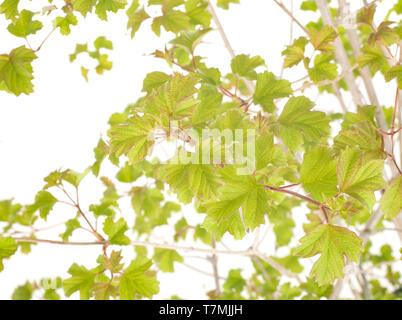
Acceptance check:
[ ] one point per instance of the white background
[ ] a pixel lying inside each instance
(60, 123)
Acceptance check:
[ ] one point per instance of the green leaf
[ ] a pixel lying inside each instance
(391, 201)
(358, 177)
(137, 280)
(84, 6)
(101, 151)
(102, 42)
(9, 8)
(210, 106)
(309, 5)
(128, 173)
(8, 247)
(297, 121)
(171, 20)
(175, 98)
(269, 88)
(112, 263)
(154, 80)
(191, 180)
(243, 65)
(235, 281)
(135, 17)
(366, 14)
(115, 231)
(323, 69)
(44, 202)
(165, 258)
(373, 56)
(224, 4)
(23, 292)
(71, 226)
(132, 138)
(318, 173)
(65, 23)
(190, 39)
(81, 280)
(24, 25)
(333, 243)
(198, 12)
(321, 39)
(363, 135)
(16, 70)
(239, 192)
(8, 210)
(233, 224)
(294, 53)
(394, 73)
(104, 6)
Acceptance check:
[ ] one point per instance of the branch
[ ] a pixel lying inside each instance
(340, 54)
(289, 13)
(70, 243)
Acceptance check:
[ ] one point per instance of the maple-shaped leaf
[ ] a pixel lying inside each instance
(321, 39)
(190, 39)
(24, 25)
(198, 12)
(65, 23)
(233, 224)
(391, 201)
(395, 73)
(44, 202)
(165, 258)
(136, 279)
(171, 20)
(16, 70)
(132, 138)
(244, 65)
(359, 177)
(81, 280)
(269, 88)
(154, 80)
(297, 121)
(71, 225)
(191, 180)
(294, 53)
(323, 69)
(115, 231)
(84, 6)
(240, 192)
(318, 173)
(9, 8)
(112, 263)
(363, 135)
(104, 6)
(224, 4)
(373, 57)
(8, 247)
(175, 98)
(333, 243)
(366, 14)
(136, 16)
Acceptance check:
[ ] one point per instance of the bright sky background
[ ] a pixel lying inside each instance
(60, 123)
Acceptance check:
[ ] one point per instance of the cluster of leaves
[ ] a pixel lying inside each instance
(340, 175)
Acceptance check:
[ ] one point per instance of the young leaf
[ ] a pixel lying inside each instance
(132, 138)
(84, 6)
(65, 23)
(8, 247)
(358, 177)
(115, 231)
(294, 53)
(244, 66)
(190, 39)
(9, 8)
(269, 88)
(323, 69)
(321, 39)
(333, 243)
(391, 201)
(224, 4)
(103, 6)
(165, 258)
(24, 25)
(154, 80)
(81, 280)
(318, 173)
(298, 121)
(16, 70)
(136, 280)
(44, 202)
(394, 72)
(135, 17)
